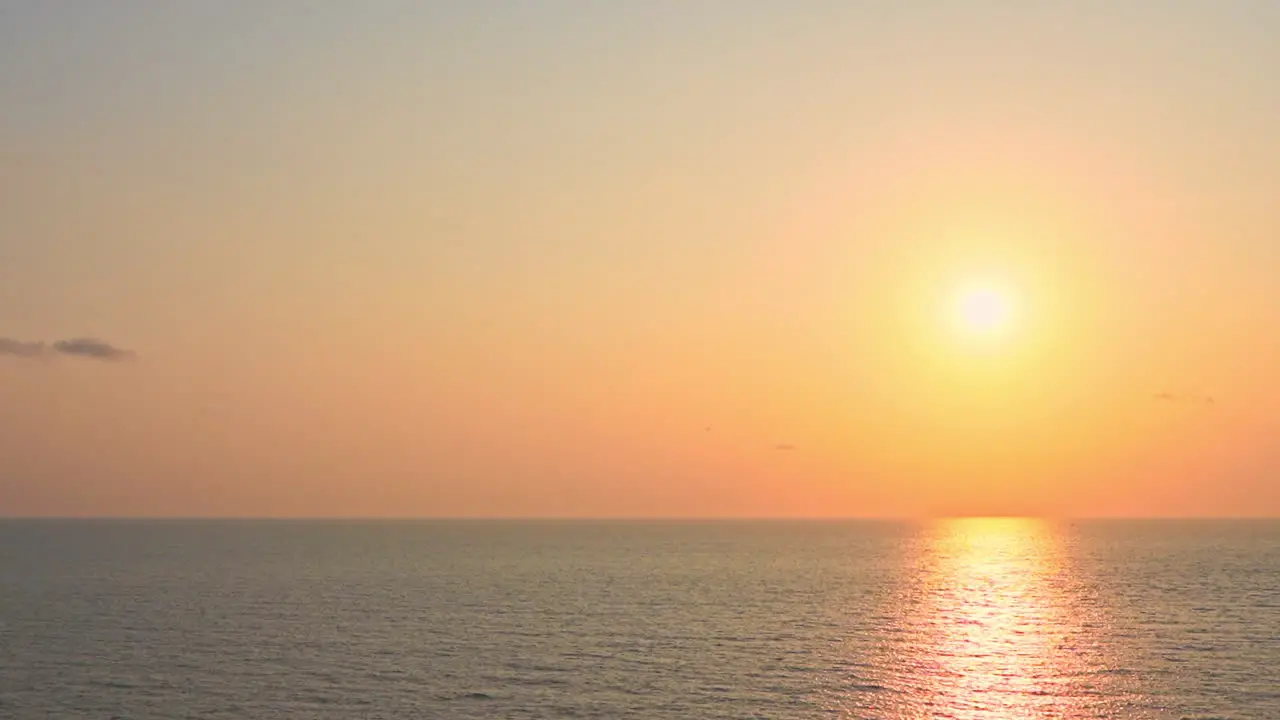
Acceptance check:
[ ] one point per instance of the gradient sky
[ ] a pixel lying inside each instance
(566, 258)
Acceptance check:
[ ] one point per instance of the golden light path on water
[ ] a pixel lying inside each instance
(995, 622)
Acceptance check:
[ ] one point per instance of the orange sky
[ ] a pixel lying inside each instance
(603, 261)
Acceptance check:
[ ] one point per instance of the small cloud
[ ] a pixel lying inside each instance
(1170, 397)
(18, 348)
(89, 348)
(92, 348)
(784, 447)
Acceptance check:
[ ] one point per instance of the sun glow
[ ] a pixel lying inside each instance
(983, 310)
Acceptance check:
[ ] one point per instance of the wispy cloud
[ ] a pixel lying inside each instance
(89, 348)
(18, 348)
(785, 447)
(1171, 397)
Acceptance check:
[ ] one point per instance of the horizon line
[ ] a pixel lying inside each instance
(621, 518)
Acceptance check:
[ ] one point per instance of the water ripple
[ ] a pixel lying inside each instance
(962, 620)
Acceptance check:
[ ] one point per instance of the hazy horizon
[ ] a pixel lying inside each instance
(640, 259)
(921, 519)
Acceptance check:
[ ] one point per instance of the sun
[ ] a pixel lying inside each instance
(983, 310)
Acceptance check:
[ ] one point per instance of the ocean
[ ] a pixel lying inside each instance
(332, 620)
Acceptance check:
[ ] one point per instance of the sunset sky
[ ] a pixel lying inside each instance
(639, 258)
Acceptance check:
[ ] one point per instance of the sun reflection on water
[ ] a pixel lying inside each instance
(993, 623)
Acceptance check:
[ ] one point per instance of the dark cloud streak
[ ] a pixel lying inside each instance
(92, 348)
(88, 348)
(18, 348)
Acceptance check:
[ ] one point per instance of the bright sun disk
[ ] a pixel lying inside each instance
(983, 310)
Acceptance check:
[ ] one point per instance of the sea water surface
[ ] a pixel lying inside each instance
(456, 619)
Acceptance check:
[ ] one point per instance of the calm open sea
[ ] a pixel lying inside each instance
(340, 620)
